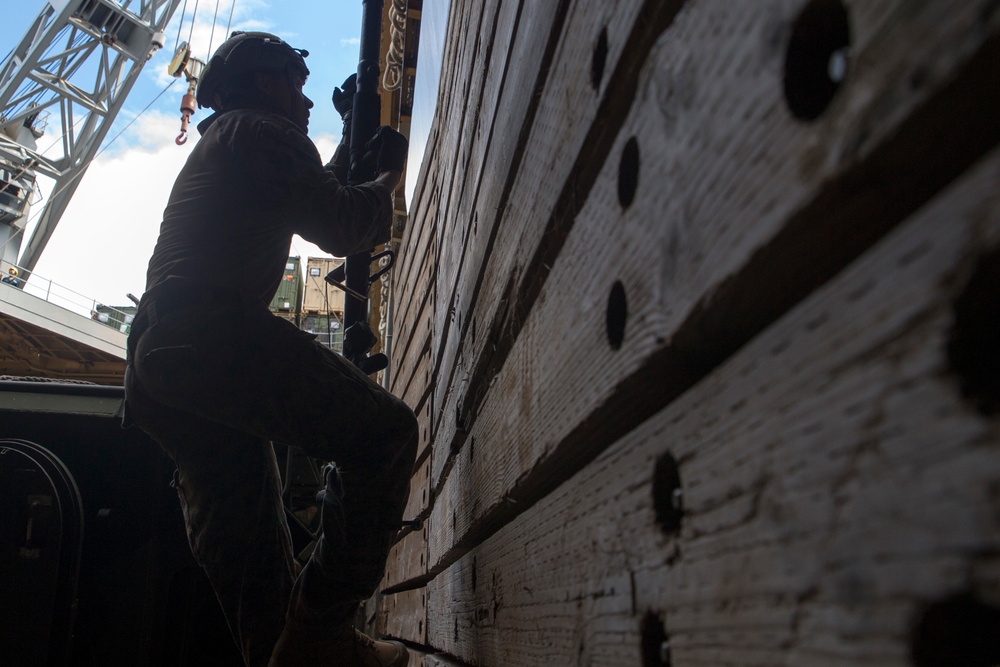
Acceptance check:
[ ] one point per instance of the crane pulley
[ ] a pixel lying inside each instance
(184, 64)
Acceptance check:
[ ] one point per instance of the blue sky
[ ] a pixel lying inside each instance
(104, 239)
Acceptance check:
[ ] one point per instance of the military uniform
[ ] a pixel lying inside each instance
(214, 377)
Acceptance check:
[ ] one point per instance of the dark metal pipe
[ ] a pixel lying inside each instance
(358, 337)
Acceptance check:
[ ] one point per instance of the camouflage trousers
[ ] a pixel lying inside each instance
(214, 391)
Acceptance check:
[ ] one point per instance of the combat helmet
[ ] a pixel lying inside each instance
(240, 55)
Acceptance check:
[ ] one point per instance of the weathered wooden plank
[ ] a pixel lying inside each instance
(422, 217)
(420, 491)
(468, 75)
(435, 660)
(426, 432)
(452, 107)
(531, 159)
(413, 369)
(690, 304)
(449, 88)
(413, 291)
(835, 484)
(417, 260)
(415, 283)
(419, 367)
(408, 557)
(407, 562)
(412, 376)
(527, 165)
(457, 227)
(507, 69)
(404, 616)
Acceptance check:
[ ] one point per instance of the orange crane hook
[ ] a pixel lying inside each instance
(187, 110)
(191, 68)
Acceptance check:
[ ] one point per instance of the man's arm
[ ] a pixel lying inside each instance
(390, 179)
(295, 187)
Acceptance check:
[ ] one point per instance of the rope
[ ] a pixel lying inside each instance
(392, 78)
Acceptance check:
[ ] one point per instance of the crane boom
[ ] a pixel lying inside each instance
(78, 61)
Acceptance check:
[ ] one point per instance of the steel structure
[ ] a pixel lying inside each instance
(77, 62)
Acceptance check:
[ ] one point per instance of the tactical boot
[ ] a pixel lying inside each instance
(305, 646)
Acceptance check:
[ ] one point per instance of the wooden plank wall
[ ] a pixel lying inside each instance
(698, 307)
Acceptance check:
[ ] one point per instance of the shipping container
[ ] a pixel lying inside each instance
(287, 301)
(322, 298)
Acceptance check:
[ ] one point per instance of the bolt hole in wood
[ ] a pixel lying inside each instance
(628, 173)
(668, 496)
(600, 59)
(958, 630)
(817, 58)
(655, 642)
(974, 340)
(617, 315)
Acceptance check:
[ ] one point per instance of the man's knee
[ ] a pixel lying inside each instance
(401, 434)
(408, 428)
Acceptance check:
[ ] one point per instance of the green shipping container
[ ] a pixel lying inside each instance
(287, 301)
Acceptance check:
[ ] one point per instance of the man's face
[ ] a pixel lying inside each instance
(284, 92)
(299, 104)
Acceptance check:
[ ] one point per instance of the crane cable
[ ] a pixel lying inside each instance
(211, 34)
(229, 24)
(80, 173)
(232, 8)
(179, 25)
(194, 16)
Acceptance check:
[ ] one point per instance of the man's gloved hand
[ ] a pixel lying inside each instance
(343, 97)
(388, 148)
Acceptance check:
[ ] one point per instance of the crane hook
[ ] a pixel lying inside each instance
(187, 110)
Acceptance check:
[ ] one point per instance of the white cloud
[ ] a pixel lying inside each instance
(104, 239)
(353, 41)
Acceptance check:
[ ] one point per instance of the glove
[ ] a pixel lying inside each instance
(343, 98)
(389, 147)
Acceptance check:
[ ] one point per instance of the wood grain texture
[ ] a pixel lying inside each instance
(789, 288)
(541, 416)
(835, 483)
(533, 40)
(403, 616)
(546, 113)
(407, 561)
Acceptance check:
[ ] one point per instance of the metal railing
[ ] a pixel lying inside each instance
(118, 318)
